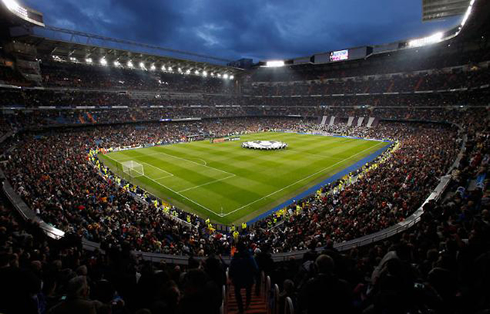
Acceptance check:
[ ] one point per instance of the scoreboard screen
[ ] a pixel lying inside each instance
(339, 55)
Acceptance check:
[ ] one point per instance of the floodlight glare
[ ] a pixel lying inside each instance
(142, 65)
(103, 61)
(12, 5)
(466, 15)
(274, 64)
(225, 75)
(116, 63)
(180, 70)
(88, 60)
(204, 73)
(170, 69)
(231, 77)
(196, 72)
(73, 59)
(163, 68)
(152, 68)
(130, 63)
(219, 74)
(437, 37)
(212, 74)
(188, 72)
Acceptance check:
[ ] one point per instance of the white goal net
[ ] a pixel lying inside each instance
(133, 169)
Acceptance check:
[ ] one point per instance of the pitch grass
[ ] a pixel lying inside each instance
(230, 184)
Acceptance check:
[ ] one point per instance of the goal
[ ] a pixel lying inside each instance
(133, 169)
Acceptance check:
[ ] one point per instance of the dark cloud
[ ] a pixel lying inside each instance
(254, 28)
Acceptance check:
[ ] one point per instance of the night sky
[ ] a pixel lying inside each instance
(232, 29)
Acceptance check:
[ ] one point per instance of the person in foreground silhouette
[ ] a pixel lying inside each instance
(242, 272)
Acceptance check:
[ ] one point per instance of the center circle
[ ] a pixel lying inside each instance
(264, 145)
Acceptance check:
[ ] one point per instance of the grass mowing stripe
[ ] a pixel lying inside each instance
(198, 186)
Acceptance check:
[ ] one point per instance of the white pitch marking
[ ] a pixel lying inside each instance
(167, 176)
(164, 177)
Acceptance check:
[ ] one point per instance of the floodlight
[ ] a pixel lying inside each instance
(204, 73)
(274, 63)
(219, 74)
(225, 76)
(188, 71)
(142, 66)
(88, 60)
(432, 39)
(103, 61)
(196, 72)
(170, 69)
(467, 14)
(12, 5)
(116, 63)
(231, 77)
(130, 63)
(73, 59)
(163, 68)
(212, 74)
(152, 68)
(180, 70)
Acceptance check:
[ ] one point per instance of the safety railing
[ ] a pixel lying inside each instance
(288, 306)
(267, 292)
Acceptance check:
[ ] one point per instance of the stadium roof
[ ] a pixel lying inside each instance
(53, 41)
(440, 9)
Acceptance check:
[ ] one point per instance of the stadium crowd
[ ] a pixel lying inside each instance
(69, 194)
(417, 107)
(438, 266)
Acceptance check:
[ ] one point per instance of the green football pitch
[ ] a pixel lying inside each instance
(231, 184)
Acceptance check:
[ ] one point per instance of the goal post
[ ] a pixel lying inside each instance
(133, 169)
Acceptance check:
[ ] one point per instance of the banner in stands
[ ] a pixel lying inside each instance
(349, 122)
(360, 121)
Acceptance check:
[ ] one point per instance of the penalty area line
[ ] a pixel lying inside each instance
(172, 190)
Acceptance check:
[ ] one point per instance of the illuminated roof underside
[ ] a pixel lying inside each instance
(440, 9)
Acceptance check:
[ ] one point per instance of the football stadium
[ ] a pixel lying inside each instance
(270, 158)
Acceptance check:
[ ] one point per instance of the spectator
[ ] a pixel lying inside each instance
(325, 293)
(243, 269)
(77, 299)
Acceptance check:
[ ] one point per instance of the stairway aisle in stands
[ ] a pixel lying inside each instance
(257, 305)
